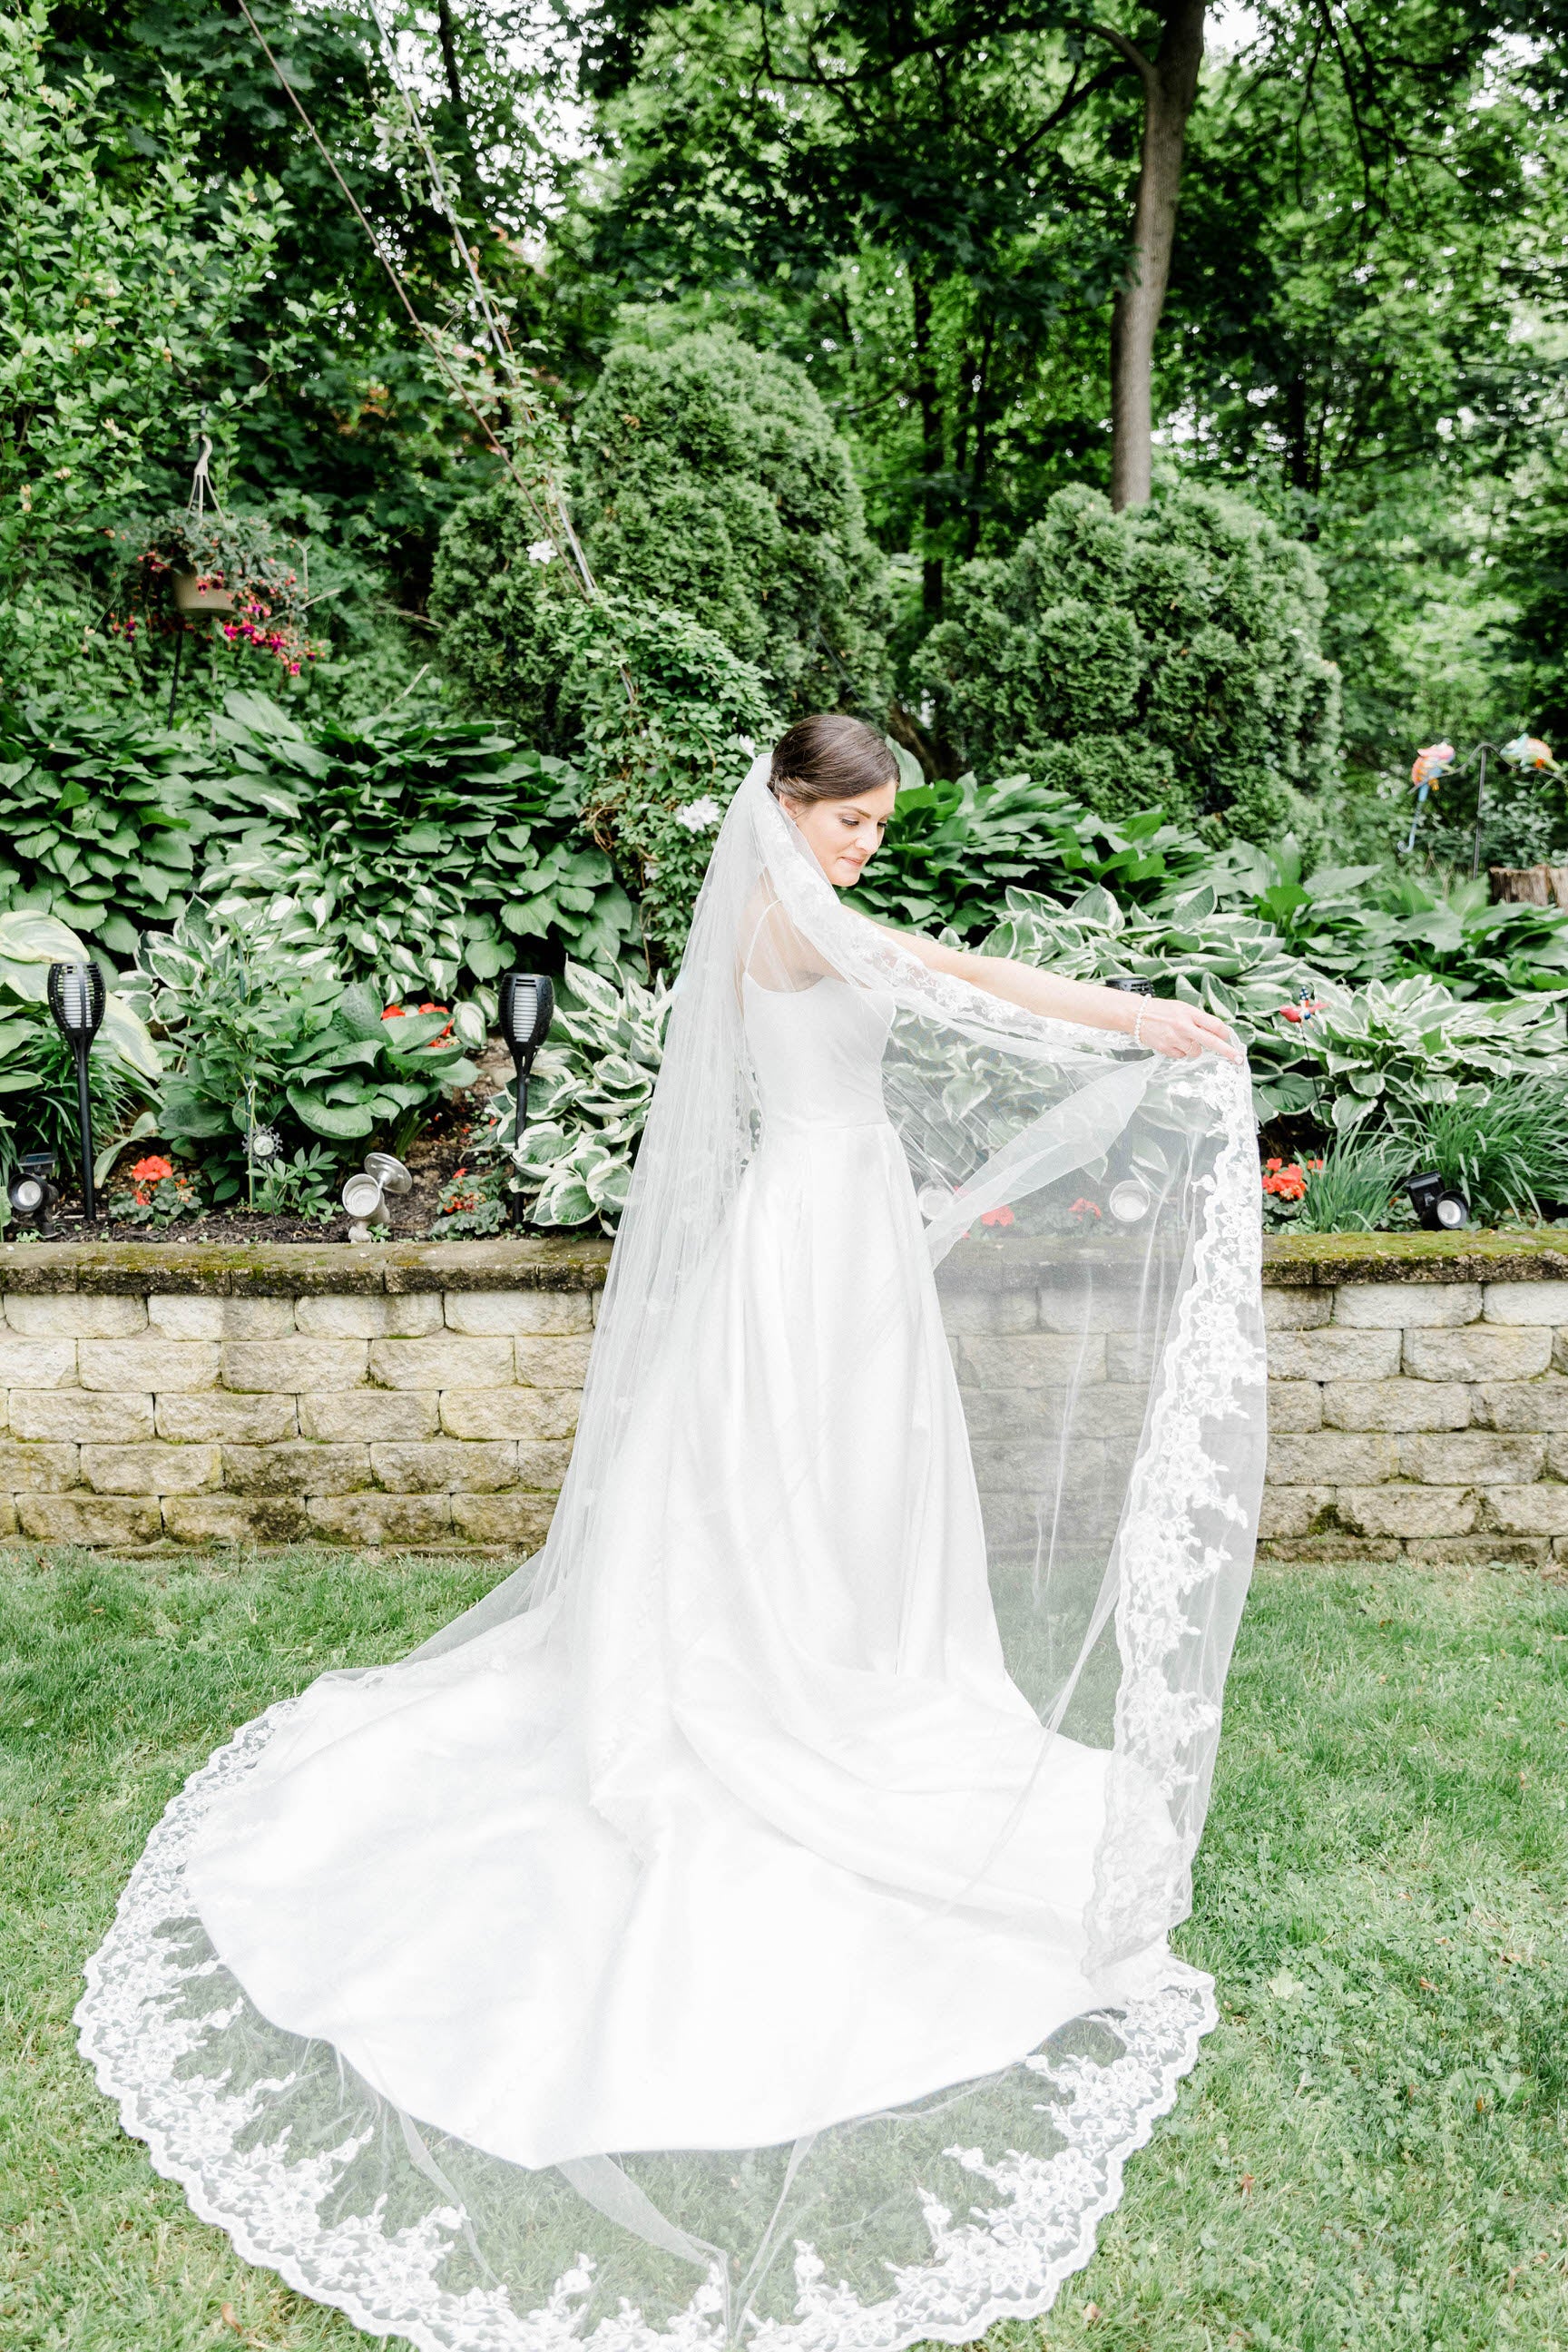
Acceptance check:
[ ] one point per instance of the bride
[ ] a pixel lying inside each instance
(751, 1922)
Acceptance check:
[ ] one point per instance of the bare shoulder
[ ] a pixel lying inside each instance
(772, 950)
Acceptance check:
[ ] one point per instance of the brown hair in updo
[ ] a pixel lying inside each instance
(830, 757)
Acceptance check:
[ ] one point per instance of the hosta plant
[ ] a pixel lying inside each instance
(592, 1082)
(38, 1074)
(267, 1036)
(432, 849)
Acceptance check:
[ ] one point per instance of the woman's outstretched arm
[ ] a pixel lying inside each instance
(1181, 1031)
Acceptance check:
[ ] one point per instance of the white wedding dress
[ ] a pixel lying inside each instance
(745, 1840)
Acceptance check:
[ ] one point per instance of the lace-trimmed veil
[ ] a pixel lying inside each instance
(1090, 1214)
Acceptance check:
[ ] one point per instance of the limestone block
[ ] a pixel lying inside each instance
(1560, 1352)
(151, 1469)
(1295, 1404)
(1109, 1307)
(1557, 1456)
(543, 1466)
(300, 1468)
(148, 1364)
(180, 1318)
(8, 1516)
(341, 1415)
(68, 1315)
(1331, 1457)
(1334, 1546)
(1483, 1352)
(1292, 1510)
(444, 1466)
(552, 1363)
(1303, 1310)
(484, 1314)
(498, 1413)
(36, 1363)
(1395, 1404)
(213, 1416)
(520, 1519)
(372, 1317)
(1335, 1354)
(109, 1420)
(1483, 1551)
(1524, 1404)
(287, 1367)
(1128, 1357)
(1539, 1510)
(976, 1312)
(37, 1469)
(1004, 1413)
(442, 1361)
(1407, 1510)
(104, 1519)
(1030, 1360)
(1475, 1457)
(1407, 1305)
(374, 1518)
(1527, 1302)
(234, 1519)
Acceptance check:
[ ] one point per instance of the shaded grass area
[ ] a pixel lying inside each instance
(1372, 2153)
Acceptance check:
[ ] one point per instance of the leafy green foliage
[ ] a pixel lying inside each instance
(952, 848)
(266, 1038)
(102, 816)
(587, 1103)
(430, 848)
(1367, 923)
(673, 746)
(1505, 1148)
(712, 479)
(1166, 656)
(117, 295)
(1352, 1188)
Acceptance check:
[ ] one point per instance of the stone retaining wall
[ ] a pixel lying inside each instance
(427, 1395)
(366, 1396)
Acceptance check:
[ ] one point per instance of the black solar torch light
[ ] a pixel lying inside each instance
(32, 1191)
(1440, 1208)
(75, 999)
(526, 1008)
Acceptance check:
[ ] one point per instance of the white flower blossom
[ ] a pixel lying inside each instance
(747, 746)
(697, 816)
(541, 551)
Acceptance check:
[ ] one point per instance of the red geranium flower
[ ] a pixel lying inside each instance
(997, 1217)
(1085, 1208)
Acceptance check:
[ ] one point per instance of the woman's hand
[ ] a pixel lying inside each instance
(1179, 1031)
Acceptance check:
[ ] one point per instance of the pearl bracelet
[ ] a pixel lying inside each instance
(1138, 1026)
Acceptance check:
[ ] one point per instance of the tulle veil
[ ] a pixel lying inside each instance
(1090, 1221)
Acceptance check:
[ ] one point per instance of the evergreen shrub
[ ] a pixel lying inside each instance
(1167, 657)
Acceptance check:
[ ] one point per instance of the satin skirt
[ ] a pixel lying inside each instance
(745, 1832)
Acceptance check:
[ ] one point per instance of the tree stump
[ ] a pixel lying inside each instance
(1530, 886)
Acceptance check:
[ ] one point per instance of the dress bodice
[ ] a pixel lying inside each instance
(817, 1052)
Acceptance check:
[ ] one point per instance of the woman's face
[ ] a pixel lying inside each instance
(842, 835)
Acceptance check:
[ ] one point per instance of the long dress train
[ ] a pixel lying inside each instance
(748, 1841)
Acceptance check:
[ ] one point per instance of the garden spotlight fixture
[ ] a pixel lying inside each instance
(364, 1195)
(77, 997)
(32, 1190)
(1129, 1201)
(527, 1006)
(1441, 1208)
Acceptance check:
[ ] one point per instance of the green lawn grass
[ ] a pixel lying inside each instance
(1373, 2151)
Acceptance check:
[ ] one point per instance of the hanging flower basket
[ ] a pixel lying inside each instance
(193, 592)
(238, 568)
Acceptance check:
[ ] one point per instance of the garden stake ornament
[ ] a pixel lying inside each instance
(1440, 759)
(77, 1001)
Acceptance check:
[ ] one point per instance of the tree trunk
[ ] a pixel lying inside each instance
(1170, 88)
(467, 166)
(933, 453)
(1528, 886)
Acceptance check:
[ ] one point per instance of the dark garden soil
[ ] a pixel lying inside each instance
(431, 1161)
